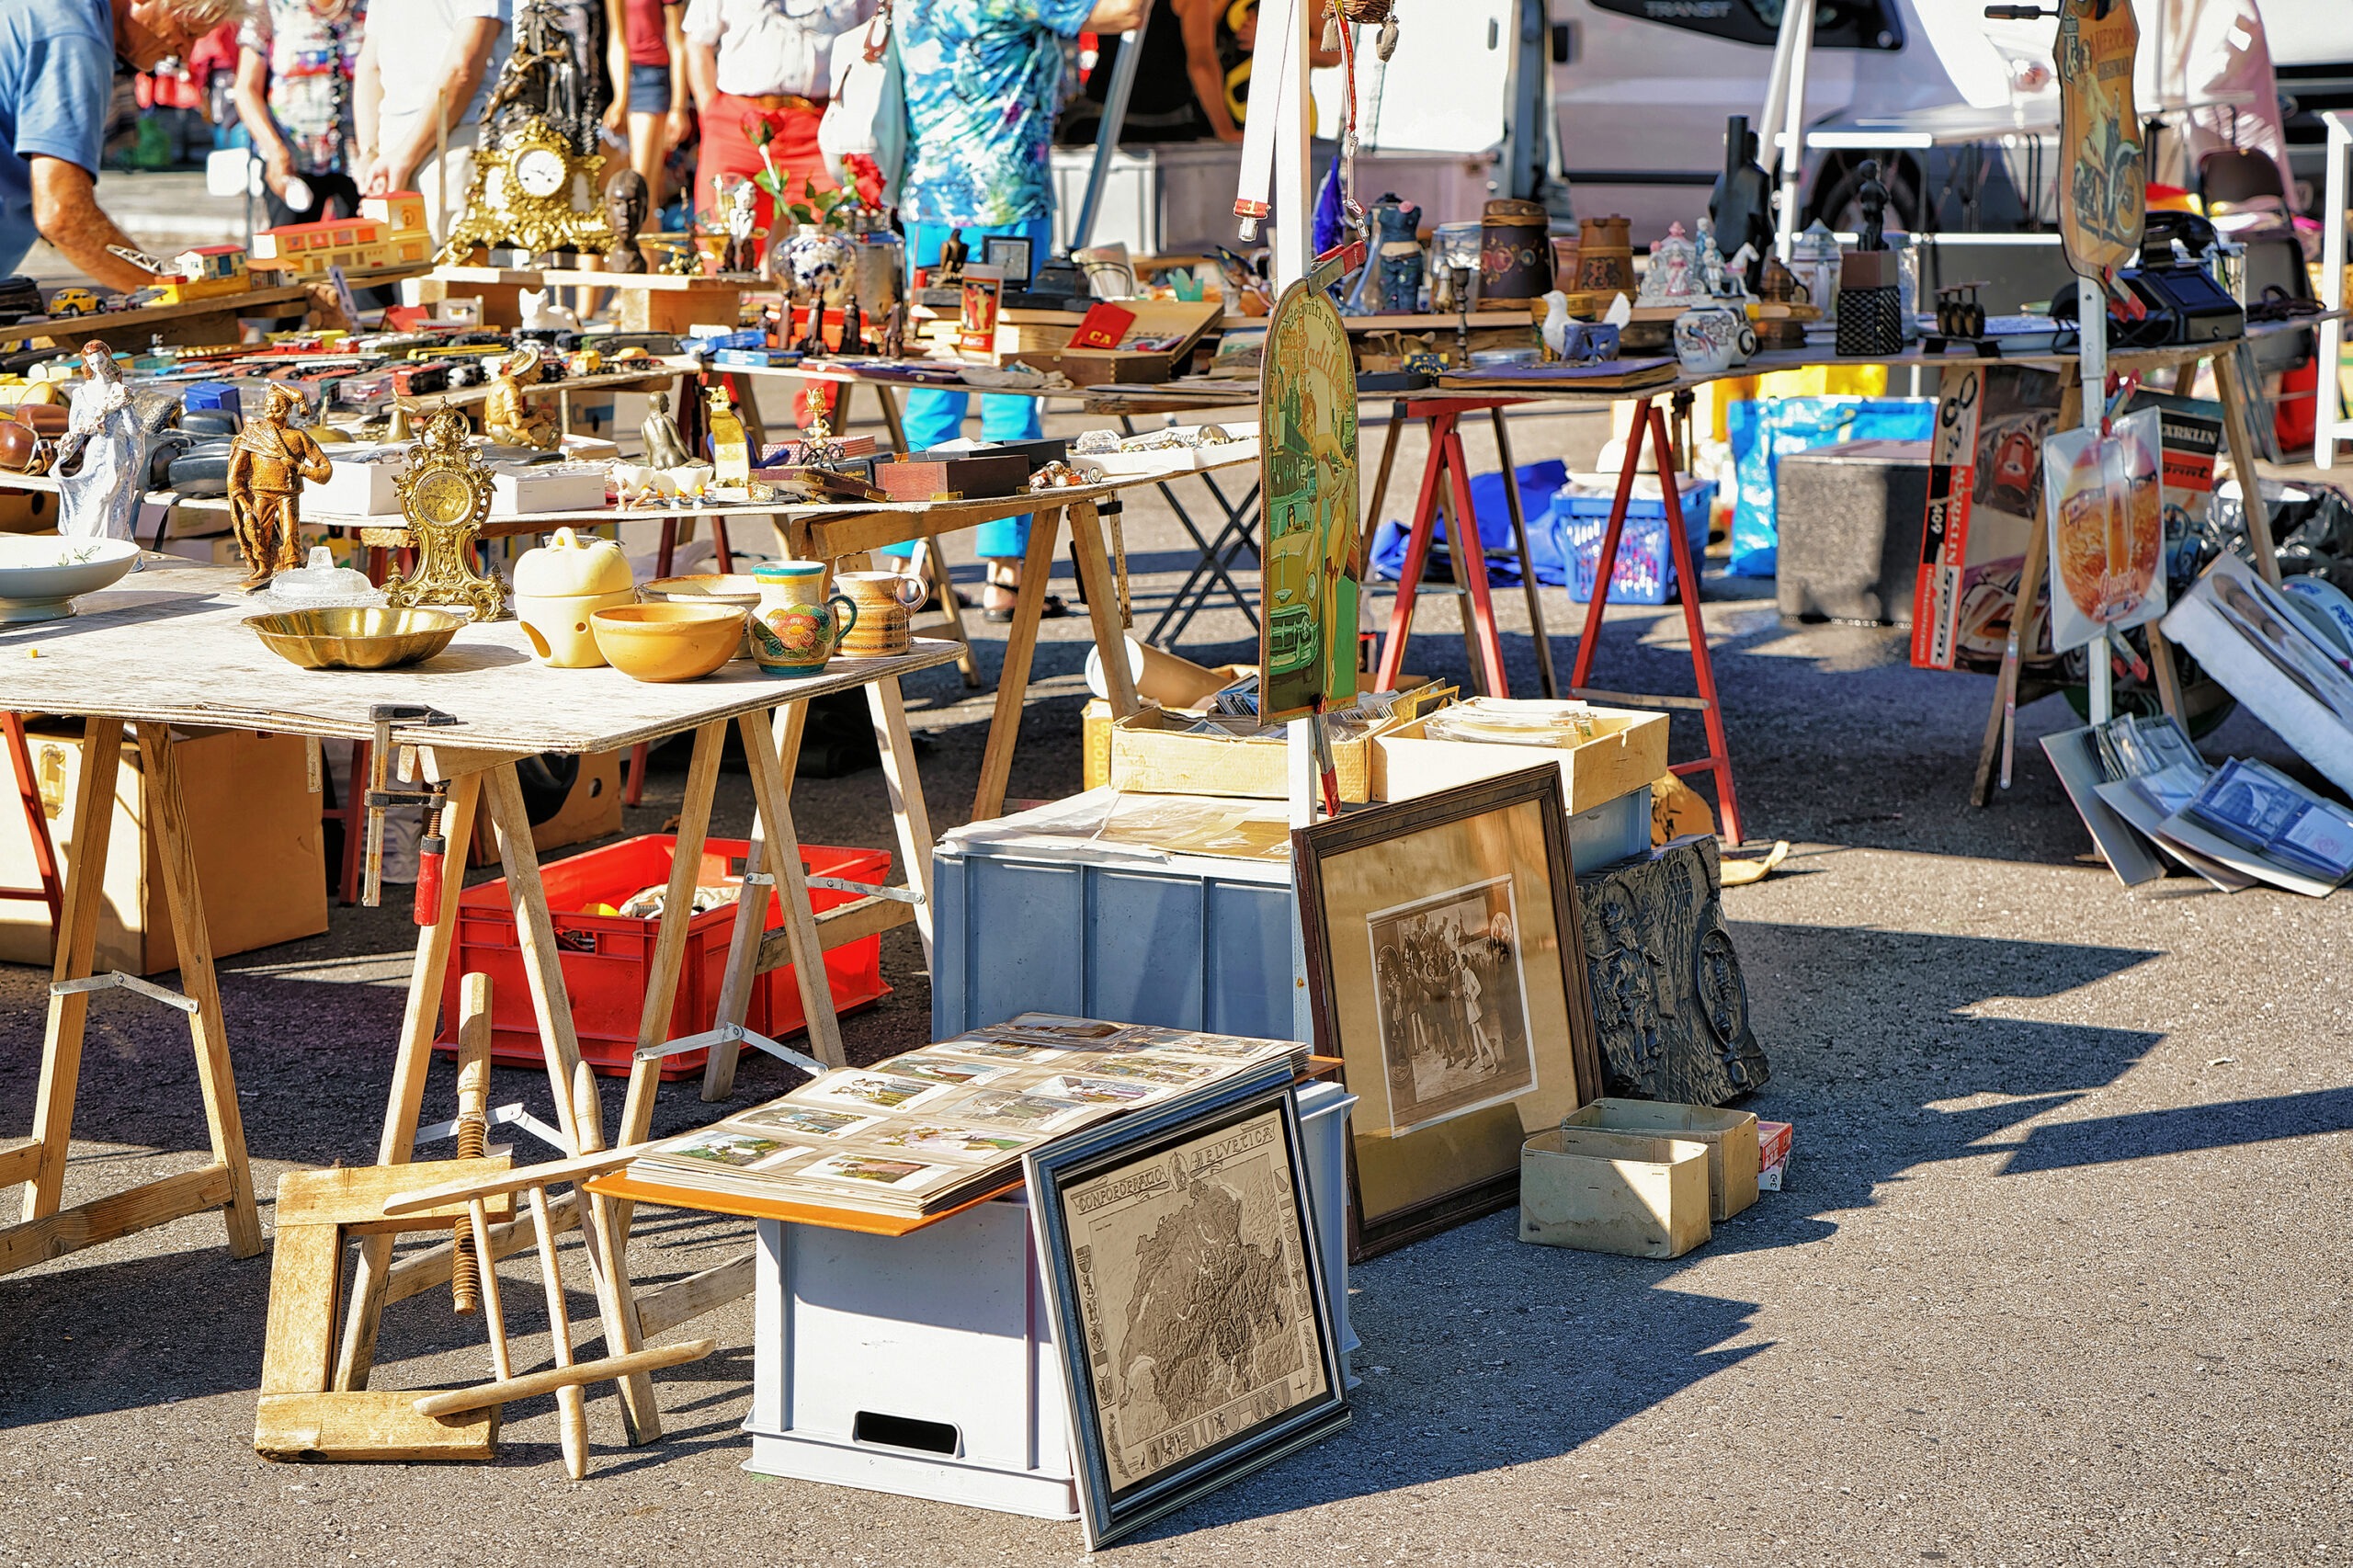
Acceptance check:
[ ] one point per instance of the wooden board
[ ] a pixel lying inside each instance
(620, 1185)
(371, 1424)
(353, 1195)
(166, 645)
(197, 322)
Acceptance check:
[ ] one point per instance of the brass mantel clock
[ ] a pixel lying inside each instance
(533, 191)
(445, 495)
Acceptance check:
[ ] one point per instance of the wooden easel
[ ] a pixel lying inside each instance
(38, 1163)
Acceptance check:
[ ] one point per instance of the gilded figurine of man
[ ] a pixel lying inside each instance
(267, 463)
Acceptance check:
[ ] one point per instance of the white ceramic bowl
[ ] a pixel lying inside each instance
(39, 576)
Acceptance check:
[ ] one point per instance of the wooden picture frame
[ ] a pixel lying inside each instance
(1446, 968)
(1118, 1211)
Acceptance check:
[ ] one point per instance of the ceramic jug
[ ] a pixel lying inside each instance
(883, 600)
(796, 625)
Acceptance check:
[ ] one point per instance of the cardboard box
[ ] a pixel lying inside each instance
(254, 818)
(1630, 752)
(1620, 1192)
(1151, 754)
(1730, 1135)
(592, 811)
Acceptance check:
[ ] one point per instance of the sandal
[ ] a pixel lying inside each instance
(1054, 610)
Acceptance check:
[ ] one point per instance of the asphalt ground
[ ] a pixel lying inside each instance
(2058, 1277)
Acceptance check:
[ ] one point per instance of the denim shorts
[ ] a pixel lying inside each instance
(649, 89)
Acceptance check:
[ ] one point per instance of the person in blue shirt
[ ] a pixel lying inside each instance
(984, 81)
(57, 61)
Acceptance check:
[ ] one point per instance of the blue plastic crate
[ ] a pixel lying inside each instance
(1644, 573)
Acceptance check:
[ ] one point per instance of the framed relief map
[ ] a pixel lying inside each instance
(1187, 1298)
(1447, 972)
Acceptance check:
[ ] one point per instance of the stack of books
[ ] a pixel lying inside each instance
(931, 1130)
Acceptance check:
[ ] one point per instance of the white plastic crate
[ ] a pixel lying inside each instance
(926, 1366)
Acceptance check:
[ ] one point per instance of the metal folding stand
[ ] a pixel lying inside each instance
(1446, 490)
(1650, 422)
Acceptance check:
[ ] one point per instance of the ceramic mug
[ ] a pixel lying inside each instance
(796, 625)
(884, 600)
(1708, 338)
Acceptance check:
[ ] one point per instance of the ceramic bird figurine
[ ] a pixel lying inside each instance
(1556, 329)
(664, 447)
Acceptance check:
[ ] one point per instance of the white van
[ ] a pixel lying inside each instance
(1642, 95)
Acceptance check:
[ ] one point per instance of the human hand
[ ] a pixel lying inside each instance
(278, 170)
(677, 127)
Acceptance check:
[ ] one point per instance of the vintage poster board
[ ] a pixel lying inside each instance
(1314, 559)
(2103, 194)
(1188, 1299)
(2107, 530)
(1985, 498)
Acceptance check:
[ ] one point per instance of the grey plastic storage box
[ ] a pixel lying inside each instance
(1030, 917)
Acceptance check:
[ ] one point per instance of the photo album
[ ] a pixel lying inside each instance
(926, 1132)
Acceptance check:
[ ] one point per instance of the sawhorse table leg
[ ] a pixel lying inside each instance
(1649, 423)
(1445, 487)
(38, 1163)
(1021, 639)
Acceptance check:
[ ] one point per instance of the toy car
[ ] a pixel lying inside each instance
(72, 303)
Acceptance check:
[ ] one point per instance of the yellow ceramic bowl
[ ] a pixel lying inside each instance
(667, 642)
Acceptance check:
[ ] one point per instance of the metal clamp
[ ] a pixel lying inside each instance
(505, 1116)
(114, 979)
(382, 793)
(842, 884)
(733, 1034)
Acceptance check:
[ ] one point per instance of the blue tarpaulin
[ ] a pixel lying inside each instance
(1764, 431)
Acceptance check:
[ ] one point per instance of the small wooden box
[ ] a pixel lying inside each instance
(1630, 752)
(1153, 754)
(1181, 321)
(1730, 1135)
(927, 476)
(1620, 1192)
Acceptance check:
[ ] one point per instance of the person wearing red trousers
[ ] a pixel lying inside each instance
(754, 62)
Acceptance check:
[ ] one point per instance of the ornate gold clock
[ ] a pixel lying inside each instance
(534, 192)
(445, 495)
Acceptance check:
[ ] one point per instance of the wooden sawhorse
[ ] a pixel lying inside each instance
(38, 1163)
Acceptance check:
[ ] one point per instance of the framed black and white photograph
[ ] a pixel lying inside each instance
(1010, 253)
(1446, 968)
(1453, 1002)
(1188, 1302)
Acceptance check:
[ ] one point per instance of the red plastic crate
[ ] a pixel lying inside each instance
(606, 957)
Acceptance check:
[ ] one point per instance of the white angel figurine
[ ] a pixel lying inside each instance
(101, 498)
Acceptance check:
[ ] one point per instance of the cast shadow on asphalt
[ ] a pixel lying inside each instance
(1480, 1353)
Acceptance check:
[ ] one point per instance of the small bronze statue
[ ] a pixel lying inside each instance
(894, 331)
(813, 342)
(625, 202)
(267, 463)
(1871, 199)
(664, 447)
(953, 254)
(508, 415)
(853, 325)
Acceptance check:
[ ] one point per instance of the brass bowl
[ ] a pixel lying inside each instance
(354, 639)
